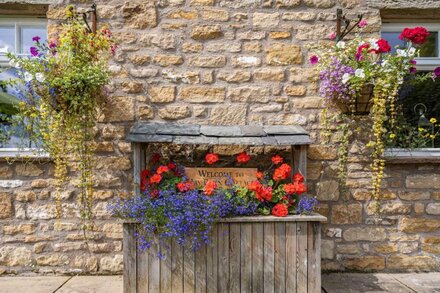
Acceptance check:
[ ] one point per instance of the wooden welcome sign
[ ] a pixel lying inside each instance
(240, 176)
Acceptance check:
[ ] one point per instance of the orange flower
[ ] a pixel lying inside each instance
(210, 187)
(211, 158)
(156, 178)
(262, 193)
(282, 172)
(185, 186)
(243, 157)
(277, 159)
(260, 175)
(280, 210)
(162, 169)
(298, 177)
(300, 188)
(289, 188)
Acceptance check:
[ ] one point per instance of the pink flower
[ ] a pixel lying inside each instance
(413, 62)
(314, 59)
(34, 51)
(332, 36)
(412, 70)
(437, 72)
(363, 23)
(36, 39)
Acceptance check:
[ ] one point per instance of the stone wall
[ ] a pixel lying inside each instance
(219, 62)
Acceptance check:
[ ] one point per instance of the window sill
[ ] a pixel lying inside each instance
(422, 155)
(23, 153)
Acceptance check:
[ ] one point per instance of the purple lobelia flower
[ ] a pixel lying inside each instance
(332, 86)
(306, 205)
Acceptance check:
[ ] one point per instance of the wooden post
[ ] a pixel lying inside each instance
(130, 261)
(299, 158)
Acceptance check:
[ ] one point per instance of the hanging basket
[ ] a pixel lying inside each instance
(361, 104)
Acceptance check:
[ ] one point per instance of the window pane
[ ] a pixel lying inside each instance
(428, 49)
(7, 38)
(27, 33)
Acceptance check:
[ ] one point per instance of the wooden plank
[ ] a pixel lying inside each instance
(241, 176)
(301, 278)
(200, 270)
(246, 257)
(165, 267)
(269, 257)
(212, 261)
(234, 258)
(300, 159)
(176, 267)
(153, 268)
(142, 271)
(257, 257)
(223, 258)
(280, 257)
(137, 168)
(290, 218)
(188, 271)
(314, 257)
(129, 249)
(291, 245)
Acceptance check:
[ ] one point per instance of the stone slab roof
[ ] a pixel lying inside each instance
(148, 132)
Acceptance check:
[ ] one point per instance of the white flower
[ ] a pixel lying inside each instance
(28, 77)
(14, 64)
(40, 77)
(4, 50)
(345, 78)
(374, 45)
(385, 63)
(340, 45)
(359, 73)
(412, 51)
(401, 53)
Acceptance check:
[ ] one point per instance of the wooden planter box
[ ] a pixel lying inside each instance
(247, 254)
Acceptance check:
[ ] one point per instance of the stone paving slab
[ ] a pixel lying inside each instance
(93, 284)
(421, 283)
(46, 284)
(356, 283)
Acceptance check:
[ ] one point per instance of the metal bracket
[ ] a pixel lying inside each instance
(341, 20)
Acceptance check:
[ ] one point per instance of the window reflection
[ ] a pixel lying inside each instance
(428, 49)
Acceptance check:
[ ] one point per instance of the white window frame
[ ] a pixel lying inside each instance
(18, 23)
(423, 63)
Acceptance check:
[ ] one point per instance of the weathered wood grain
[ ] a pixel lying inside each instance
(165, 267)
(301, 274)
(280, 257)
(234, 258)
(129, 248)
(257, 257)
(246, 257)
(243, 257)
(212, 261)
(314, 257)
(176, 267)
(269, 257)
(291, 256)
(223, 257)
(153, 268)
(300, 159)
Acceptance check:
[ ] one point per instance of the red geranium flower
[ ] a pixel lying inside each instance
(384, 46)
(210, 187)
(298, 177)
(282, 172)
(300, 188)
(155, 158)
(155, 193)
(360, 50)
(289, 188)
(156, 178)
(262, 193)
(260, 175)
(162, 169)
(277, 159)
(243, 157)
(280, 210)
(415, 35)
(185, 186)
(171, 166)
(145, 174)
(211, 158)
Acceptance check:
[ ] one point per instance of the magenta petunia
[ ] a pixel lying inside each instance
(36, 39)
(363, 23)
(437, 72)
(314, 59)
(34, 51)
(413, 62)
(332, 36)
(412, 70)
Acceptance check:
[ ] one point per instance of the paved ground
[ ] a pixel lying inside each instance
(332, 283)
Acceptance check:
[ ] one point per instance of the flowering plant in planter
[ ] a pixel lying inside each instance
(362, 76)
(60, 87)
(172, 206)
